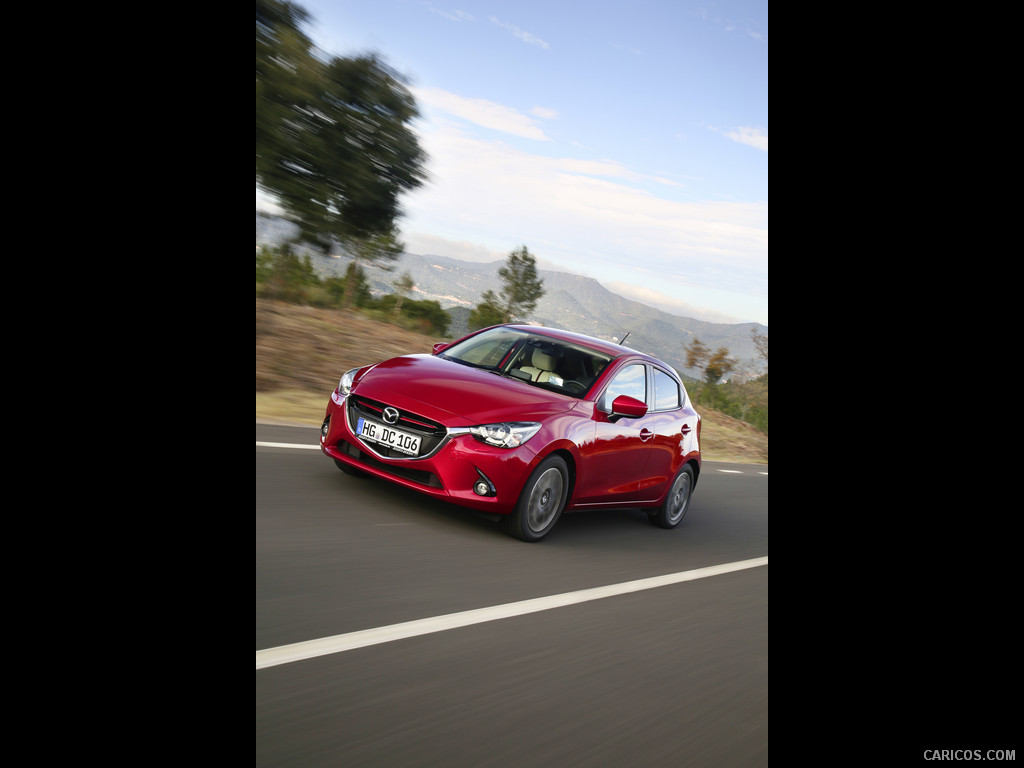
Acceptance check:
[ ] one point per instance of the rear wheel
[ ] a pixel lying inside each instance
(673, 509)
(541, 501)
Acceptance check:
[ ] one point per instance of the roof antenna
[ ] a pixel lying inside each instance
(624, 338)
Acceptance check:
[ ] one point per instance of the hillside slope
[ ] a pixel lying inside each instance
(570, 301)
(301, 353)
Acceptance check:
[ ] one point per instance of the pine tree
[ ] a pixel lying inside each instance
(522, 289)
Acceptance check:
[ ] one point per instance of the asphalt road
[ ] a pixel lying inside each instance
(672, 675)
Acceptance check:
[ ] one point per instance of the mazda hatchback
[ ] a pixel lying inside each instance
(525, 423)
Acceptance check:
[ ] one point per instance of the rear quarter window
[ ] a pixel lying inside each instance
(666, 392)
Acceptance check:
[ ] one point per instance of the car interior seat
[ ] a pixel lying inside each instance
(543, 366)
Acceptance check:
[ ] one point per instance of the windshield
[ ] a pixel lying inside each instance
(538, 360)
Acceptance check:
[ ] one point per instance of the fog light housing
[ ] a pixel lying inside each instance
(324, 428)
(483, 486)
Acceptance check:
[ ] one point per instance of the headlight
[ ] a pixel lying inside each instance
(505, 435)
(345, 385)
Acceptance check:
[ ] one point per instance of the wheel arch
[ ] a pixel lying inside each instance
(570, 462)
(694, 464)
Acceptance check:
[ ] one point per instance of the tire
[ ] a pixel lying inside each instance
(349, 470)
(541, 501)
(677, 500)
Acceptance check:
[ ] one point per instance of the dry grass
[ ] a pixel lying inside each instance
(301, 353)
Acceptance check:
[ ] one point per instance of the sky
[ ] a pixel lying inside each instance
(623, 140)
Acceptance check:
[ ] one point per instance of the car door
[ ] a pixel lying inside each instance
(614, 463)
(672, 426)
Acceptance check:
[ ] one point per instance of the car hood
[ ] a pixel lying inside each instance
(456, 395)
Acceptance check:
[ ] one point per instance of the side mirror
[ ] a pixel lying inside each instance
(441, 347)
(628, 407)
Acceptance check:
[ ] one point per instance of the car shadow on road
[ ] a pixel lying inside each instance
(392, 504)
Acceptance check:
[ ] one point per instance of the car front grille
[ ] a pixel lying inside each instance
(431, 434)
(415, 475)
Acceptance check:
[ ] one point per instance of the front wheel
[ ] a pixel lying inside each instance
(541, 501)
(673, 509)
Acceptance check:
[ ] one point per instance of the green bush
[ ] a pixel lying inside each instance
(747, 401)
(282, 275)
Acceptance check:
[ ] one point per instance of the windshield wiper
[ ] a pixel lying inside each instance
(503, 374)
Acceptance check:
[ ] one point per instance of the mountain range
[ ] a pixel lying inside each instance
(573, 302)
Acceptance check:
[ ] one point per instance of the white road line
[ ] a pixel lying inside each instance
(285, 654)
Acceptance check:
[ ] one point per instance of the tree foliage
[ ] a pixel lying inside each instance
(283, 276)
(714, 365)
(746, 400)
(426, 315)
(352, 290)
(381, 247)
(761, 343)
(333, 136)
(285, 67)
(519, 295)
(522, 289)
(719, 365)
(486, 313)
(697, 354)
(403, 286)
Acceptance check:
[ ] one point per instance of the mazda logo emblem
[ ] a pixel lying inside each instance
(390, 415)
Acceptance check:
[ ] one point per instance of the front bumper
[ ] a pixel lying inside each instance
(455, 466)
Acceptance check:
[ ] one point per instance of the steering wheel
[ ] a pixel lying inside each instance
(576, 387)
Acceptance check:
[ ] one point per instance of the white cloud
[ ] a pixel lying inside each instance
(463, 250)
(609, 168)
(523, 35)
(671, 304)
(481, 112)
(628, 49)
(544, 113)
(753, 137)
(592, 216)
(451, 16)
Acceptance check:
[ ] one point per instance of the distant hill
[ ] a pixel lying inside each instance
(576, 303)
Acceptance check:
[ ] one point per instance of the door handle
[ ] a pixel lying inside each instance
(646, 434)
(685, 430)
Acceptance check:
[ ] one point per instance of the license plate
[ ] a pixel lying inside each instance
(389, 436)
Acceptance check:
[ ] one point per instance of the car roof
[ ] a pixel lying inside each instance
(600, 345)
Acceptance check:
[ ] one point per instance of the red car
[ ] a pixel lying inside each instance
(523, 422)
